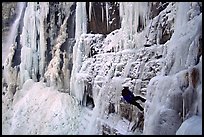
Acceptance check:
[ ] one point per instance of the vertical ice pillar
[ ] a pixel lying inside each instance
(107, 15)
(102, 14)
(44, 8)
(81, 19)
(81, 28)
(28, 39)
(90, 10)
(31, 47)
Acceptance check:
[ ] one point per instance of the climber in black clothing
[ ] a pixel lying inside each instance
(130, 98)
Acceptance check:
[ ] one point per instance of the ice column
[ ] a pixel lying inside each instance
(31, 49)
(81, 20)
(28, 41)
(90, 9)
(81, 28)
(107, 16)
(44, 8)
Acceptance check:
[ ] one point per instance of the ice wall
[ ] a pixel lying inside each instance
(81, 51)
(158, 43)
(157, 53)
(173, 97)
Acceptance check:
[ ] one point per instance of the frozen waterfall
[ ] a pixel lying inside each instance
(14, 30)
(74, 58)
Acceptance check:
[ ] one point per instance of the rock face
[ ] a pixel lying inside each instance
(98, 22)
(8, 17)
(90, 50)
(8, 14)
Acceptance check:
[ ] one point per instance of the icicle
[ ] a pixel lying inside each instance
(131, 19)
(90, 9)
(102, 12)
(121, 9)
(107, 18)
(132, 14)
(183, 116)
(78, 20)
(84, 19)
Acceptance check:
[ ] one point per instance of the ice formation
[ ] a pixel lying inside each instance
(81, 19)
(11, 39)
(33, 50)
(183, 91)
(71, 83)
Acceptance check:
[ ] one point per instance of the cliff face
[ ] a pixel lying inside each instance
(89, 51)
(8, 17)
(98, 21)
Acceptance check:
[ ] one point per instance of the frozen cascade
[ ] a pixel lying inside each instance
(13, 31)
(44, 8)
(127, 68)
(99, 110)
(182, 14)
(53, 74)
(8, 49)
(133, 14)
(81, 24)
(166, 71)
(180, 75)
(29, 42)
(184, 45)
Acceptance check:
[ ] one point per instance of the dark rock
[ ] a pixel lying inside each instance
(159, 56)
(147, 45)
(96, 25)
(111, 108)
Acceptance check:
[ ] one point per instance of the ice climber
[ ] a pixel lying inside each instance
(130, 98)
